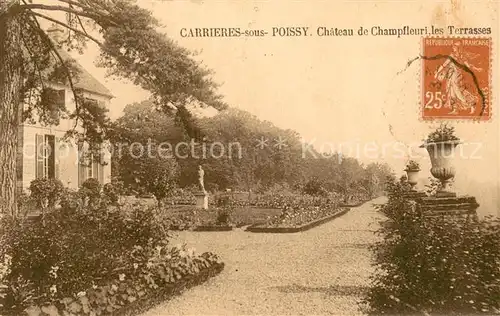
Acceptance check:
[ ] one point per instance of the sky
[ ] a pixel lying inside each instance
(332, 90)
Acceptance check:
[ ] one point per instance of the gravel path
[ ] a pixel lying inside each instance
(320, 271)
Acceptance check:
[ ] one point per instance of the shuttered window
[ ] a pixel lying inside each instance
(54, 96)
(81, 164)
(88, 167)
(101, 173)
(95, 169)
(46, 157)
(50, 156)
(54, 100)
(40, 151)
(57, 156)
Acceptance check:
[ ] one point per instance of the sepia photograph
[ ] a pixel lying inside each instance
(271, 157)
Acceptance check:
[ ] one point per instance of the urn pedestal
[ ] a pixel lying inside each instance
(463, 206)
(201, 200)
(414, 194)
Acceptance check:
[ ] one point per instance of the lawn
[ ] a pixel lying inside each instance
(241, 216)
(253, 215)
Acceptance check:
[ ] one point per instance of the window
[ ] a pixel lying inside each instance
(91, 101)
(96, 103)
(55, 96)
(96, 106)
(46, 166)
(90, 169)
(55, 101)
(88, 166)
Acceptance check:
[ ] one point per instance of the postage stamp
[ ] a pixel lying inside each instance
(456, 78)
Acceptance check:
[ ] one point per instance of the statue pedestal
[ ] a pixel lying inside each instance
(201, 200)
(464, 206)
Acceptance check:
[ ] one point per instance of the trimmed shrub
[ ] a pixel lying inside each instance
(315, 187)
(92, 186)
(71, 199)
(46, 192)
(90, 190)
(224, 215)
(112, 191)
(182, 219)
(26, 203)
(228, 199)
(223, 200)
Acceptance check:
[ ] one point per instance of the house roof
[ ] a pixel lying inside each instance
(89, 83)
(84, 80)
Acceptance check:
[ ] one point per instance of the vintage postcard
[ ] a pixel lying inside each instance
(192, 157)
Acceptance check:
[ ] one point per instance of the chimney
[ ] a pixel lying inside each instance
(56, 33)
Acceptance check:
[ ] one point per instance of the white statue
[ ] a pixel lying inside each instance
(201, 175)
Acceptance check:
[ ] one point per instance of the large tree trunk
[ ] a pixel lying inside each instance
(10, 97)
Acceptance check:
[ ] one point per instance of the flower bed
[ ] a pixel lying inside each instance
(185, 198)
(267, 229)
(282, 201)
(187, 218)
(299, 212)
(303, 213)
(167, 292)
(190, 218)
(217, 218)
(164, 276)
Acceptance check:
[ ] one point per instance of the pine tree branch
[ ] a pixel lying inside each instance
(36, 67)
(68, 27)
(77, 17)
(95, 17)
(81, 24)
(75, 3)
(85, 7)
(33, 59)
(59, 58)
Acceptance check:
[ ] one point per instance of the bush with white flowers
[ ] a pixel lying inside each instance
(434, 265)
(93, 261)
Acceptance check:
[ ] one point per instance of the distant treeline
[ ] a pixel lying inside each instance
(262, 156)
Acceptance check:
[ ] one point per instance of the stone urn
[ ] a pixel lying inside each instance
(442, 156)
(412, 176)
